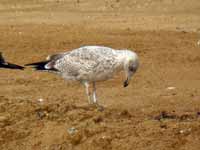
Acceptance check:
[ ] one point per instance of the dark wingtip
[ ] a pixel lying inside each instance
(4, 64)
(14, 66)
(11, 66)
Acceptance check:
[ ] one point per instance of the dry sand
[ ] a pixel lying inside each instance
(147, 115)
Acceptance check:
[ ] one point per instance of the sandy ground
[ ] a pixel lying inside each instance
(42, 111)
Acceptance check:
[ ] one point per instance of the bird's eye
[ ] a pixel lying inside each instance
(131, 68)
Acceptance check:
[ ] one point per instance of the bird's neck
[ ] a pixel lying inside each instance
(121, 59)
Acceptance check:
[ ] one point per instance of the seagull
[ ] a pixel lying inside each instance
(90, 64)
(4, 64)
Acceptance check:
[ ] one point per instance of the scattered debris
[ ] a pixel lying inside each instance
(165, 115)
(181, 131)
(125, 113)
(41, 100)
(164, 126)
(185, 131)
(74, 136)
(186, 117)
(182, 117)
(198, 43)
(41, 113)
(98, 119)
(104, 142)
(171, 88)
(72, 130)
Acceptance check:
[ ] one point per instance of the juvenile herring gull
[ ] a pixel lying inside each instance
(4, 64)
(90, 64)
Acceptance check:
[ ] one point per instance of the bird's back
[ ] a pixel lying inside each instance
(87, 63)
(92, 52)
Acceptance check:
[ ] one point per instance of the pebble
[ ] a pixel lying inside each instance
(171, 88)
(72, 130)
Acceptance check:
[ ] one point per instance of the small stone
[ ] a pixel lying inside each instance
(98, 119)
(171, 88)
(198, 43)
(181, 131)
(76, 138)
(40, 100)
(72, 130)
(163, 126)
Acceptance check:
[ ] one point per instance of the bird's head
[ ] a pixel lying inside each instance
(131, 65)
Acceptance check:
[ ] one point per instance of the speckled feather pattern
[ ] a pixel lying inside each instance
(88, 63)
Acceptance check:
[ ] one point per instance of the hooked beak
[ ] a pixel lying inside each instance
(126, 82)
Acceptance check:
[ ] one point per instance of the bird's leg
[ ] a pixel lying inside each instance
(94, 96)
(86, 84)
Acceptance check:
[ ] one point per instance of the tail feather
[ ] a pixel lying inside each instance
(41, 66)
(4, 64)
(11, 66)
